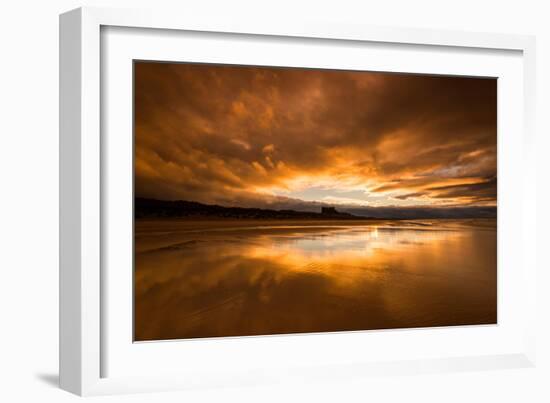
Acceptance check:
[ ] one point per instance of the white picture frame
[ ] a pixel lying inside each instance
(86, 345)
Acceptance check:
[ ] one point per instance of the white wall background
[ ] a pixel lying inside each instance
(29, 201)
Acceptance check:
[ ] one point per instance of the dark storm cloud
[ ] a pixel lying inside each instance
(485, 190)
(231, 135)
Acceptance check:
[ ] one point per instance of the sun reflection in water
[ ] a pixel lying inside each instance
(210, 281)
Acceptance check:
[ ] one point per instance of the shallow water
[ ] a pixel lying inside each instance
(211, 279)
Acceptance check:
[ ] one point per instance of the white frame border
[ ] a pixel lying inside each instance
(80, 165)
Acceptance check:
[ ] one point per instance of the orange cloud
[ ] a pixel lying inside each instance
(262, 136)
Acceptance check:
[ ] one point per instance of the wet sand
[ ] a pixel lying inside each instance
(215, 278)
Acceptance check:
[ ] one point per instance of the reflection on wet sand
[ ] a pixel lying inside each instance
(236, 278)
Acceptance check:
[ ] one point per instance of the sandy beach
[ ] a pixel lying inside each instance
(217, 278)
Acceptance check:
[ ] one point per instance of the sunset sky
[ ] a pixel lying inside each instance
(284, 138)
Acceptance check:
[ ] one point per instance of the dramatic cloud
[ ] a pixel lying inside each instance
(276, 137)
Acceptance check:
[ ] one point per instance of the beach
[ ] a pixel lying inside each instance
(221, 278)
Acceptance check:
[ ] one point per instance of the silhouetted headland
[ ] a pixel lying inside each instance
(150, 208)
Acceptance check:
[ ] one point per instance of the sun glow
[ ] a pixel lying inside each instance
(253, 136)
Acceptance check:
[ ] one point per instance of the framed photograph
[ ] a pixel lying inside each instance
(253, 202)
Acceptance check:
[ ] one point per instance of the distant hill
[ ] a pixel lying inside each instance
(149, 208)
